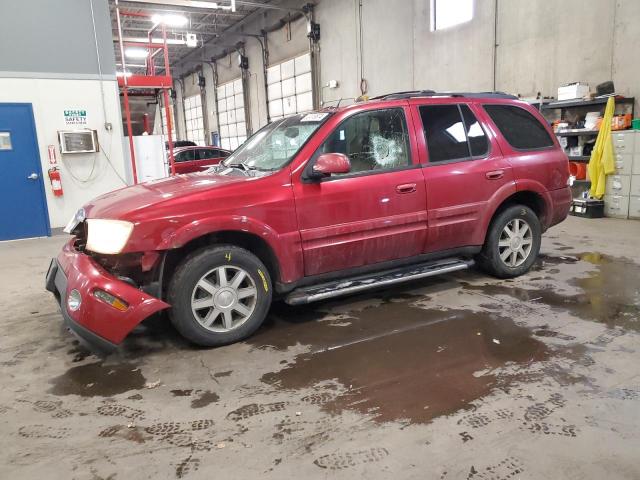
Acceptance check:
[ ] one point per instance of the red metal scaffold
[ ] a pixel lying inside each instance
(148, 81)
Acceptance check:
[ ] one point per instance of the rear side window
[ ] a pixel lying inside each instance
(452, 133)
(521, 129)
(478, 142)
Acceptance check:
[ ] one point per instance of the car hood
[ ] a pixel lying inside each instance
(126, 202)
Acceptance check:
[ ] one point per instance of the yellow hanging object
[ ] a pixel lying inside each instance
(602, 162)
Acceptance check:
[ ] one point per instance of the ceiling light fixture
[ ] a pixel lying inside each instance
(170, 20)
(136, 53)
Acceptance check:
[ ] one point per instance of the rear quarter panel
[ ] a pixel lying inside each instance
(542, 171)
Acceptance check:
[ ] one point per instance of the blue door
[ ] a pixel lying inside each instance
(23, 208)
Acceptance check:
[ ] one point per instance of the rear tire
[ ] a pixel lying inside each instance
(512, 243)
(219, 295)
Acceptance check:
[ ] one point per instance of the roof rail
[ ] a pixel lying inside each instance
(432, 93)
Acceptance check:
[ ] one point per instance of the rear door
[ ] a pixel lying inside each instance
(463, 168)
(375, 213)
(23, 210)
(205, 157)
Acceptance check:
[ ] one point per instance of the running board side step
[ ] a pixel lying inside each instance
(384, 278)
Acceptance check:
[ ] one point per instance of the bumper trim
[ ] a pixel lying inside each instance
(57, 284)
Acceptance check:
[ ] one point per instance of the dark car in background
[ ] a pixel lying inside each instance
(197, 159)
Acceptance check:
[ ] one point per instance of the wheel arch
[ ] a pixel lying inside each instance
(249, 241)
(534, 200)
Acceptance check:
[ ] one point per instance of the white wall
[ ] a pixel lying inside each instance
(94, 175)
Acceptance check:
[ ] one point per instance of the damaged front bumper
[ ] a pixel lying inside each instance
(95, 321)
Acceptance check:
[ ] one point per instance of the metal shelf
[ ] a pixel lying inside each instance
(579, 158)
(577, 133)
(585, 103)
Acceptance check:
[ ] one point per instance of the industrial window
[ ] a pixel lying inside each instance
(373, 140)
(521, 129)
(193, 119)
(231, 114)
(289, 87)
(448, 13)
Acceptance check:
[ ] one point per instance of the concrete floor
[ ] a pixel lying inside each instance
(458, 377)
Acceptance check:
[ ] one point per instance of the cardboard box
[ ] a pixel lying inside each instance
(572, 91)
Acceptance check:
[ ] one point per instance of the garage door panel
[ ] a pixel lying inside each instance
(228, 90)
(233, 130)
(223, 118)
(304, 102)
(287, 69)
(275, 108)
(231, 103)
(231, 115)
(241, 129)
(303, 83)
(224, 142)
(288, 87)
(233, 143)
(237, 86)
(274, 91)
(224, 131)
(302, 64)
(239, 100)
(240, 115)
(289, 105)
(273, 74)
(294, 87)
(221, 92)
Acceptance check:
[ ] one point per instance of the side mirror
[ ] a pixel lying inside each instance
(331, 163)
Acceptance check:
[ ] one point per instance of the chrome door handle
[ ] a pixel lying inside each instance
(33, 176)
(406, 188)
(495, 175)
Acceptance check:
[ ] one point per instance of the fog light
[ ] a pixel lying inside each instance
(115, 302)
(74, 300)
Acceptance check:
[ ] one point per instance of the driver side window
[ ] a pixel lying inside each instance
(185, 156)
(372, 140)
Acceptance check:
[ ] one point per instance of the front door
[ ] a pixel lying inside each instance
(184, 161)
(23, 208)
(374, 213)
(463, 169)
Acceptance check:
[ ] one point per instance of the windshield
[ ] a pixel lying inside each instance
(273, 146)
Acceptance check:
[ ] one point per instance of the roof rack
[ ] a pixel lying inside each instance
(432, 93)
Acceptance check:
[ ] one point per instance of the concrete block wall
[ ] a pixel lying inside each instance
(539, 45)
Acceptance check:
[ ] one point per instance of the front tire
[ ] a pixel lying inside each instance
(219, 295)
(512, 243)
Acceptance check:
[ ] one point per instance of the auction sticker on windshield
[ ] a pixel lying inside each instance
(313, 117)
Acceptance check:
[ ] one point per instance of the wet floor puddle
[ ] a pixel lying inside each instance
(98, 379)
(610, 294)
(402, 362)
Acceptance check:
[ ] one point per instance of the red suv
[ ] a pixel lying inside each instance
(314, 206)
(196, 159)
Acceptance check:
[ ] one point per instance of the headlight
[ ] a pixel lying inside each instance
(107, 236)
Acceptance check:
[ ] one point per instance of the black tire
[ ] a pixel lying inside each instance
(489, 258)
(191, 270)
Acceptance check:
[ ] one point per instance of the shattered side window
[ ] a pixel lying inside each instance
(373, 140)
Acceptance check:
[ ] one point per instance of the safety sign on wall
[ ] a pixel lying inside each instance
(75, 117)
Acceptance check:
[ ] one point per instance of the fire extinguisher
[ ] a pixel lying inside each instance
(56, 184)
